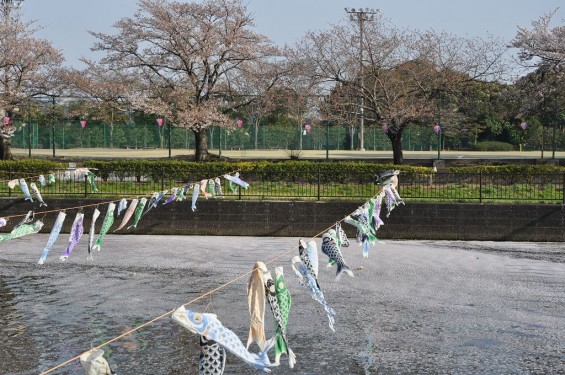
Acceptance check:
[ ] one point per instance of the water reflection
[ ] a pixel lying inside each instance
(17, 351)
(408, 311)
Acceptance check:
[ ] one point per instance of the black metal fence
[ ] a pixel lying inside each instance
(452, 187)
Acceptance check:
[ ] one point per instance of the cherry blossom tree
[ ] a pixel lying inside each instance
(401, 74)
(103, 94)
(28, 67)
(542, 45)
(188, 60)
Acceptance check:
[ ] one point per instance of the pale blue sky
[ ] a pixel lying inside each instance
(284, 21)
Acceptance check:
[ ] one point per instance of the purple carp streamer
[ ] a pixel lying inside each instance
(76, 233)
(53, 236)
(172, 197)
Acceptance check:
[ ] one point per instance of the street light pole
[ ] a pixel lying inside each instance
(30, 137)
(439, 129)
(327, 141)
(169, 139)
(439, 142)
(361, 15)
(553, 145)
(53, 126)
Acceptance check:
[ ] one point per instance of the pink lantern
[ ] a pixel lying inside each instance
(308, 128)
(83, 124)
(7, 120)
(385, 128)
(524, 125)
(160, 121)
(239, 123)
(437, 128)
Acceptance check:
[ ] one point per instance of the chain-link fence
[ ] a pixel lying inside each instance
(248, 137)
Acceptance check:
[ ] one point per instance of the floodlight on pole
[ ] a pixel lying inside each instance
(361, 15)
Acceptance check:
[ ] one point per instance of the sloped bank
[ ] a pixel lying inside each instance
(423, 221)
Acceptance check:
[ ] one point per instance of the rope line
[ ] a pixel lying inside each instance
(204, 295)
(62, 172)
(112, 201)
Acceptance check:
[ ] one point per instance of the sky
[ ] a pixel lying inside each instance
(66, 22)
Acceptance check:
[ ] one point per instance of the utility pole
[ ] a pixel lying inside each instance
(53, 126)
(361, 15)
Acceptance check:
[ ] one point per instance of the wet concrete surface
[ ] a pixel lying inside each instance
(413, 307)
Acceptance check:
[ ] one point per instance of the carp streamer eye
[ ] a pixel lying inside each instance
(281, 285)
(197, 318)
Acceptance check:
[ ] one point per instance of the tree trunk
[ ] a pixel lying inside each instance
(396, 141)
(201, 145)
(6, 149)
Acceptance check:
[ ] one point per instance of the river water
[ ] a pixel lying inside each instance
(412, 307)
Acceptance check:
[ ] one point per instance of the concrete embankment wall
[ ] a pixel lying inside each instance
(433, 221)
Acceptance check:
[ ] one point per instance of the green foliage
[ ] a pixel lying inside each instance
(496, 125)
(27, 167)
(493, 146)
(261, 170)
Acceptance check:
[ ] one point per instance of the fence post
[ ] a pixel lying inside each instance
(239, 191)
(480, 186)
(162, 178)
(85, 186)
(318, 182)
(563, 188)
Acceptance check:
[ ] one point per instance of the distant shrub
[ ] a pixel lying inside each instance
(27, 167)
(493, 146)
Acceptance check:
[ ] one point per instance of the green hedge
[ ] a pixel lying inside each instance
(273, 171)
(493, 146)
(27, 167)
(286, 170)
